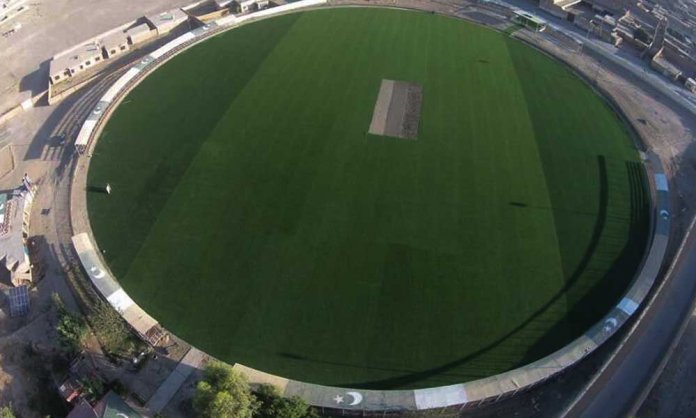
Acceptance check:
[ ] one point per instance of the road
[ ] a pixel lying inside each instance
(614, 392)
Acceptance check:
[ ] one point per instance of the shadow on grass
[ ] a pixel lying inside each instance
(558, 335)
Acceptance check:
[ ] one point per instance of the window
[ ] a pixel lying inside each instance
(96, 59)
(82, 67)
(57, 77)
(113, 51)
(88, 63)
(123, 47)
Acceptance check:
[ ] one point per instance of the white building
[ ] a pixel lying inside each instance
(15, 211)
(74, 61)
(115, 44)
(140, 33)
(165, 22)
(248, 6)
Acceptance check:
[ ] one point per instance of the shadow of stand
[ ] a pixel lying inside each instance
(36, 82)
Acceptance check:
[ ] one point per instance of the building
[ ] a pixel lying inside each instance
(558, 8)
(690, 85)
(680, 58)
(15, 212)
(74, 61)
(660, 64)
(114, 44)
(208, 10)
(140, 33)
(167, 21)
(110, 406)
(248, 6)
(602, 27)
(562, 8)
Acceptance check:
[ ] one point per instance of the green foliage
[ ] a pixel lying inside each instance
(72, 330)
(6, 412)
(93, 388)
(110, 328)
(223, 393)
(273, 405)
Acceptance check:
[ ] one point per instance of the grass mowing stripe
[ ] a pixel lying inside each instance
(299, 244)
(144, 173)
(589, 258)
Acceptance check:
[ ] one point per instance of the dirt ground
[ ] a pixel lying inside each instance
(397, 110)
(28, 361)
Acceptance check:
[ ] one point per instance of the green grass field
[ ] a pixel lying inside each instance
(253, 215)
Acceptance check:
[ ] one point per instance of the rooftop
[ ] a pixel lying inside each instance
(114, 39)
(12, 248)
(75, 57)
(143, 28)
(167, 18)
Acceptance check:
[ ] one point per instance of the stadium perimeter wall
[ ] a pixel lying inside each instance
(362, 402)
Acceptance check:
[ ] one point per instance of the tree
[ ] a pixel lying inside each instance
(109, 326)
(223, 393)
(6, 412)
(273, 405)
(72, 330)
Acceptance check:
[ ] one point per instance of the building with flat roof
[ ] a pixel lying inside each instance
(248, 6)
(140, 33)
(114, 44)
(74, 61)
(15, 211)
(166, 21)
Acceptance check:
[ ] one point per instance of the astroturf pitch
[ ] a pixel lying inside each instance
(253, 215)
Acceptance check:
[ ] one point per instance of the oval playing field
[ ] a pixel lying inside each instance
(370, 198)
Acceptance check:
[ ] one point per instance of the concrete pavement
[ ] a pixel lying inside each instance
(191, 361)
(614, 391)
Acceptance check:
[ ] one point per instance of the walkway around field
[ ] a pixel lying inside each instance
(191, 361)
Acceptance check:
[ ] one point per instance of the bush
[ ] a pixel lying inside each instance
(110, 328)
(6, 412)
(223, 393)
(273, 405)
(72, 330)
